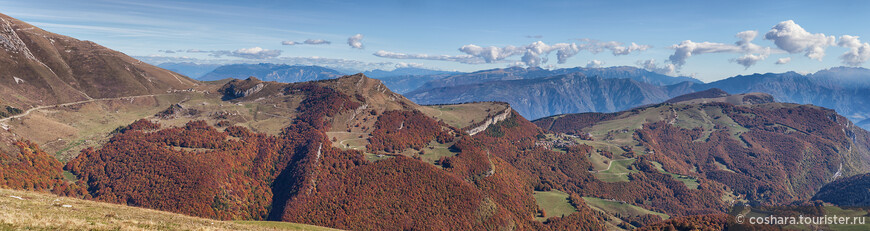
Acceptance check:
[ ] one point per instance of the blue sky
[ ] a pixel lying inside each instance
(473, 35)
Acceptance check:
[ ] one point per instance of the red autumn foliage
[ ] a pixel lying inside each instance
(399, 130)
(769, 162)
(33, 169)
(572, 123)
(709, 222)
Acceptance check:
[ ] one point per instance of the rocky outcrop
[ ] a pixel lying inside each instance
(490, 121)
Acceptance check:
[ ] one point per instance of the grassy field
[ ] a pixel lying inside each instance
(554, 203)
(614, 207)
(463, 115)
(618, 171)
(23, 210)
(689, 181)
(65, 130)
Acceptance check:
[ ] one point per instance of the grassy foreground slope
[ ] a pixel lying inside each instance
(26, 210)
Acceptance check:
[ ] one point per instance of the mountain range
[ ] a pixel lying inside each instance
(347, 152)
(406, 71)
(539, 97)
(271, 72)
(192, 70)
(842, 89)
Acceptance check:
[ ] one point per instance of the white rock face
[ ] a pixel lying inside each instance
(10, 41)
(495, 119)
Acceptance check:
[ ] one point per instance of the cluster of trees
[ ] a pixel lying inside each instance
(400, 130)
(10, 111)
(568, 172)
(708, 222)
(219, 178)
(573, 123)
(849, 191)
(33, 169)
(321, 102)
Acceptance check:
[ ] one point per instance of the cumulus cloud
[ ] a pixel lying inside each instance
(255, 53)
(791, 37)
(534, 54)
(749, 60)
(467, 59)
(617, 48)
(355, 41)
(858, 52)
(650, 65)
(290, 43)
(752, 53)
(785, 60)
(594, 64)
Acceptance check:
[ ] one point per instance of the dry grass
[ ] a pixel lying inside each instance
(463, 115)
(39, 211)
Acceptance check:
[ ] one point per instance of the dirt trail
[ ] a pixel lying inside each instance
(72, 103)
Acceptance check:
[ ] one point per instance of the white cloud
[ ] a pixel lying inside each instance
(749, 60)
(467, 59)
(650, 65)
(247, 53)
(339, 64)
(617, 48)
(752, 53)
(858, 52)
(491, 54)
(594, 64)
(791, 37)
(534, 54)
(255, 53)
(307, 42)
(783, 60)
(316, 41)
(355, 41)
(404, 65)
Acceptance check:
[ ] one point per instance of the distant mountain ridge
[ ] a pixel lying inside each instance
(844, 89)
(539, 97)
(272, 72)
(515, 73)
(192, 70)
(406, 71)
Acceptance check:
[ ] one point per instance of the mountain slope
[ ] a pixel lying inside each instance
(842, 89)
(539, 97)
(43, 68)
(271, 72)
(763, 152)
